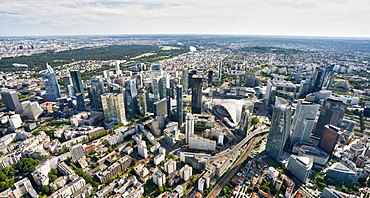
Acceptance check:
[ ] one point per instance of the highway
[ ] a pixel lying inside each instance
(226, 178)
(238, 146)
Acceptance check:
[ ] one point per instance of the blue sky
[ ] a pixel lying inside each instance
(250, 17)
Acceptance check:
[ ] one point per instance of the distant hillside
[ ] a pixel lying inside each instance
(113, 52)
(275, 50)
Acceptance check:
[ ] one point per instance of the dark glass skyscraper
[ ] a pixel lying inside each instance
(97, 89)
(179, 105)
(332, 112)
(196, 95)
(11, 99)
(210, 78)
(280, 128)
(77, 81)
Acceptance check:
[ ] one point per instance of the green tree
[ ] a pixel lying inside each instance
(255, 120)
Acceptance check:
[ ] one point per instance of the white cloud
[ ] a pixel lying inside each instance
(287, 17)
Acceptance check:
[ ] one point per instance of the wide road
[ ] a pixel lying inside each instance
(226, 178)
(237, 147)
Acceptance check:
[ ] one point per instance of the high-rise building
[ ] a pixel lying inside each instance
(162, 87)
(282, 89)
(279, 129)
(156, 71)
(210, 78)
(170, 166)
(327, 77)
(315, 82)
(185, 82)
(77, 81)
(131, 96)
(179, 105)
(113, 107)
(300, 167)
(250, 80)
(332, 112)
(246, 117)
(330, 138)
(10, 98)
(118, 69)
(51, 85)
(186, 172)
(142, 101)
(219, 74)
(159, 178)
(303, 121)
(196, 95)
(189, 126)
(155, 88)
(80, 102)
(97, 89)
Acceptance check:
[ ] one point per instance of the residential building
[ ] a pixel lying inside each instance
(186, 172)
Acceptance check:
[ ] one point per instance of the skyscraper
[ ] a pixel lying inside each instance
(189, 127)
(316, 80)
(332, 112)
(10, 98)
(210, 78)
(330, 137)
(51, 85)
(97, 89)
(156, 71)
(280, 128)
(245, 120)
(303, 121)
(155, 88)
(185, 77)
(118, 69)
(327, 76)
(77, 81)
(179, 105)
(282, 89)
(113, 107)
(219, 69)
(162, 87)
(196, 95)
(131, 96)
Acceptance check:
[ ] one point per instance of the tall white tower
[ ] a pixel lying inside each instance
(189, 126)
(118, 69)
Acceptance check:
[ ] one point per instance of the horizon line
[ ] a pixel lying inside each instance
(192, 34)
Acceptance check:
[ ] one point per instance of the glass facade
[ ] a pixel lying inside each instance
(280, 128)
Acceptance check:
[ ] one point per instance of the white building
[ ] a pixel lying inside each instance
(143, 151)
(15, 121)
(186, 172)
(159, 178)
(170, 166)
(158, 159)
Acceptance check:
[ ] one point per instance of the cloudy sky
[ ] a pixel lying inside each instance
(250, 17)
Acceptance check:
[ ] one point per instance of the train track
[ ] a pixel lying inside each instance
(226, 178)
